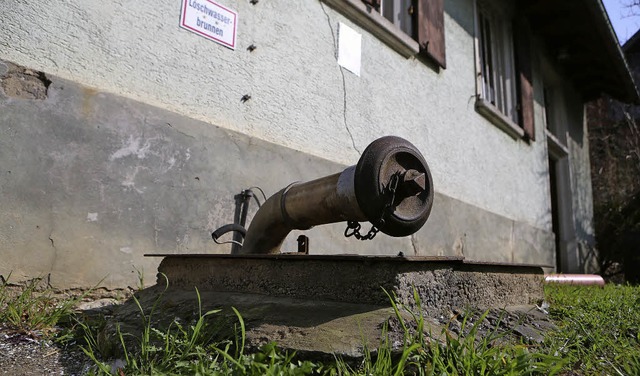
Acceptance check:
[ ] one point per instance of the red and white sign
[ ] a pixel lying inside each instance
(210, 20)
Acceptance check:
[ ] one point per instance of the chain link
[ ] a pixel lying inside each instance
(355, 226)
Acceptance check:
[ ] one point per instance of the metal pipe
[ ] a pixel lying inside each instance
(575, 279)
(391, 187)
(301, 206)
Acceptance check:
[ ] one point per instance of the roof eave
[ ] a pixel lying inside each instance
(579, 36)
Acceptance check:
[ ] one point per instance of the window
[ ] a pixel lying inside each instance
(496, 57)
(505, 94)
(556, 138)
(422, 20)
(410, 27)
(400, 13)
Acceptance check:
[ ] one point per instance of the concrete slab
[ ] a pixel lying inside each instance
(441, 282)
(314, 329)
(323, 306)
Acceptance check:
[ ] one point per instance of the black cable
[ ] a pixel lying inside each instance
(228, 228)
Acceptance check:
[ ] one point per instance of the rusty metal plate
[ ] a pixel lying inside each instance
(300, 256)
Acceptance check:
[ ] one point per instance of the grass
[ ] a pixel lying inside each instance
(188, 349)
(32, 309)
(598, 328)
(466, 354)
(597, 334)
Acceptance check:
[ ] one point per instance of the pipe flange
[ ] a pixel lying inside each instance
(380, 161)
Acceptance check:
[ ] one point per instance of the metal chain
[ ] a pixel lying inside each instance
(355, 226)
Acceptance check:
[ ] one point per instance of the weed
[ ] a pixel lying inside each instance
(140, 273)
(189, 349)
(33, 310)
(468, 353)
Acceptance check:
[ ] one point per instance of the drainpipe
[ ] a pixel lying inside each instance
(391, 187)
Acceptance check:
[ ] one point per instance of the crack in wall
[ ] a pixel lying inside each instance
(55, 257)
(414, 244)
(179, 131)
(344, 81)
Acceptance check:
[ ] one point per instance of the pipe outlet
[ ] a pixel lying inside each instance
(390, 186)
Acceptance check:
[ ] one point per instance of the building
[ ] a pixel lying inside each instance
(123, 133)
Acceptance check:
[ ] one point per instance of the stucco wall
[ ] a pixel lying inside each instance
(91, 182)
(139, 108)
(578, 144)
(568, 124)
(298, 97)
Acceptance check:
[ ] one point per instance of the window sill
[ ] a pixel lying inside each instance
(492, 114)
(367, 18)
(556, 148)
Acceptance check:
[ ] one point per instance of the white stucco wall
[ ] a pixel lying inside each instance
(568, 125)
(298, 96)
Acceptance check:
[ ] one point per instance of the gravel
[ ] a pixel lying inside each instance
(31, 353)
(26, 354)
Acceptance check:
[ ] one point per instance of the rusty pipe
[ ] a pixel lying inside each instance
(359, 193)
(301, 206)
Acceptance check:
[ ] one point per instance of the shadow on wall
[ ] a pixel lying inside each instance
(461, 14)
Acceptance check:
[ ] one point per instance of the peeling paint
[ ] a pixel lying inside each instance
(458, 245)
(92, 217)
(126, 250)
(171, 162)
(20, 82)
(132, 147)
(129, 181)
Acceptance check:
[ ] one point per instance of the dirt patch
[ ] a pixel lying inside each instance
(31, 353)
(19, 82)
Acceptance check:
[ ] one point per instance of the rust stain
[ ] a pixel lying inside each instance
(87, 101)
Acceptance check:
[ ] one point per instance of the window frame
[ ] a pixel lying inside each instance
(515, 118)
(427, 38)
(407, 22)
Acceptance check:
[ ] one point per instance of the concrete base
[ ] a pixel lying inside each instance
(312, 328)
(323, 306)
(441, 282)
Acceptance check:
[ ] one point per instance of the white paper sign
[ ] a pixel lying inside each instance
(349, 48)
(210, 20)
